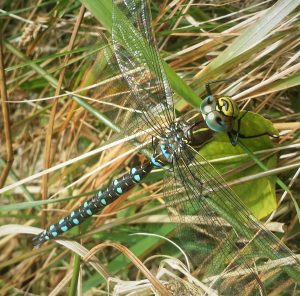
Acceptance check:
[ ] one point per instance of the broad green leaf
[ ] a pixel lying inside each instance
(258, 195)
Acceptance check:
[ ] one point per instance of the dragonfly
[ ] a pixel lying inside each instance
(241, 253)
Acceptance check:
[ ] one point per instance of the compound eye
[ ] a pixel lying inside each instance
(215, 122)
(207, 105)
(207, 109)
(221, 123)
(209, 99)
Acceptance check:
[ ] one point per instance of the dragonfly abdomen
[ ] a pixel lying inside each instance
(101, 199)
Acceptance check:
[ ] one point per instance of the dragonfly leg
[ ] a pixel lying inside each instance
(152, 143)
(207, 85)
(258, 135)
(234, 135)
(234, 139)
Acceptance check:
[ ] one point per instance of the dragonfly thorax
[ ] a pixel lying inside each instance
(172, 142)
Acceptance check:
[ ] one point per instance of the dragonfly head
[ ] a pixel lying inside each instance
(219, 113)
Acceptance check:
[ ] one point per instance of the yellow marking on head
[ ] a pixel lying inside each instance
(228, 107)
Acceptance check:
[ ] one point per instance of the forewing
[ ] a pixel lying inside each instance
(112, 97)
(140, 64)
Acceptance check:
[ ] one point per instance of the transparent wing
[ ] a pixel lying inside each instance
(140, 64)
(226, 243)
(111, 94)
(120, 99)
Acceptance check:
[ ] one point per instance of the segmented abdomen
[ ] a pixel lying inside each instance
(96, 203)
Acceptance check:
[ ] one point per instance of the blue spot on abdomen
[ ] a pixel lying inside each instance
(137, 178)
(75, 221)
(64, 228)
